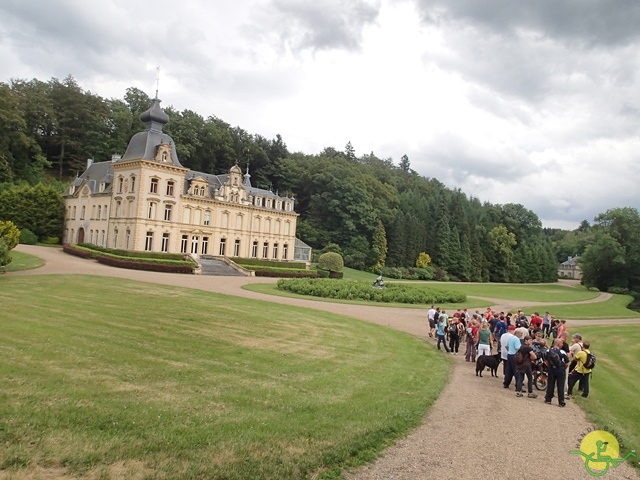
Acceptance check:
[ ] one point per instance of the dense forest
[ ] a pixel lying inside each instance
(374, 212)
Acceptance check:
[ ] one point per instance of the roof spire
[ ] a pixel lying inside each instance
(157, 79)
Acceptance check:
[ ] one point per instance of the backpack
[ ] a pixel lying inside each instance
(553, 358)
(519, 358)
(590, 362)
(453, 328)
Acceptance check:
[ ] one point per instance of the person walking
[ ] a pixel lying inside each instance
(432, 321)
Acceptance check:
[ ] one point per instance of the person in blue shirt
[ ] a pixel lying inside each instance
(513, 344)
(440, 330)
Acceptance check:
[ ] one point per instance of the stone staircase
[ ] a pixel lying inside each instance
(213, 266)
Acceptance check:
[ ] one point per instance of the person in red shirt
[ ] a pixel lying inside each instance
(536, 322)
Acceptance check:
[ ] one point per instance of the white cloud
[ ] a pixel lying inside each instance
(531, 103)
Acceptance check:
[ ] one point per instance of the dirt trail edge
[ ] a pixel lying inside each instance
(475, 430)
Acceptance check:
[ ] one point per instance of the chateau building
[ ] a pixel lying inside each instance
(146, 200)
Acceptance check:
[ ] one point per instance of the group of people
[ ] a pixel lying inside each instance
(522, 343)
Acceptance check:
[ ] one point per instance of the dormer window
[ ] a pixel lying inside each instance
(101, 187)
(163, 154)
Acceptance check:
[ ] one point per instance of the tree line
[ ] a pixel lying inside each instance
(374, 212)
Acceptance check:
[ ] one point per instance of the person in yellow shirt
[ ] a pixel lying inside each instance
(580, 372)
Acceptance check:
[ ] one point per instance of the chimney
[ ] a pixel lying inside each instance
(115, 157)
(89, 162)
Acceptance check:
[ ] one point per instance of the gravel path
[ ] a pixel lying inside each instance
(475, 430)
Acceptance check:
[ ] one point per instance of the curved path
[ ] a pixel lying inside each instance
(475, 430)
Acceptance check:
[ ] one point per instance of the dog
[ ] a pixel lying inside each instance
(488, 361)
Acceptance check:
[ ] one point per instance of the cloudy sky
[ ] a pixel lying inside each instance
(534, 102)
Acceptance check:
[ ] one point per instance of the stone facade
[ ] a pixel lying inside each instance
(146, 200)
(570, 269)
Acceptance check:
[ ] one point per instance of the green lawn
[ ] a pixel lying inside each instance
(615, 391)
(23, 261)
(109, 378)
(526, 293)
(616, 307)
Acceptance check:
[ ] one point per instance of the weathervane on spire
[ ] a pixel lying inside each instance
(157, 79)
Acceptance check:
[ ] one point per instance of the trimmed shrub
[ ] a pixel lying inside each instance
(27, 237)
(323, 273)
(331, 261)
(78, 251)
(144, 265)
(287, 274)
(246, 262)
(352, 290)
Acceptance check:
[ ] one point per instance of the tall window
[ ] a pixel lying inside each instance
(133, 183)
(152, 210)
(115, 238)
(170, 189)
(285, 250)
(275, 251)
(236, 248)
(104, 213)
(265, 250)
(167, 212)
(120, 184)
(148, 245)
(93, 212)
(99, 212)
(103, 242)
(165, 242)
(183, 243)
(207, 217)
(73, 215)
(154, 185)
(90, 236)
(127, 238)
(205, 245)
(223, 244)
(82, 213)
(254, 249)
(194, 244)
(118, 205)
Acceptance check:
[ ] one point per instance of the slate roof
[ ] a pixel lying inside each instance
(143, 145)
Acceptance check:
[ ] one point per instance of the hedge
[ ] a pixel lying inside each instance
(78, 251)
(133, 253)
(352, 290)
(145, 265)
(134, 263)
(245, 262)
(287, 274)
